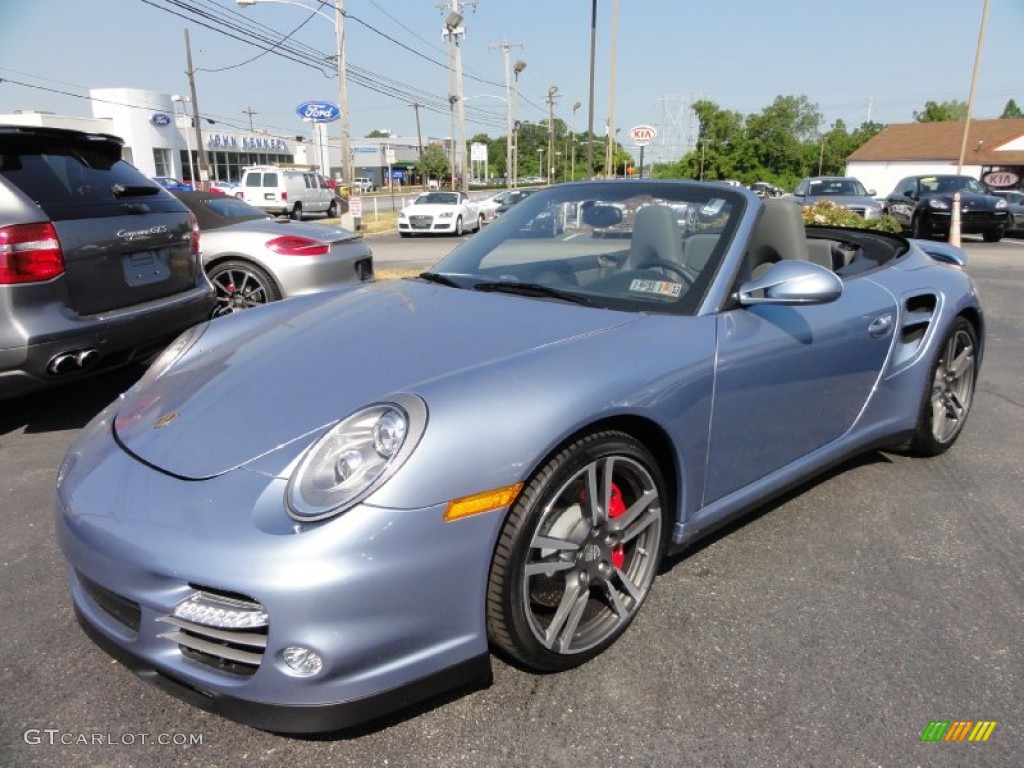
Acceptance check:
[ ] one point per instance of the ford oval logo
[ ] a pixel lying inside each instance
(160, 118)
(320, 111)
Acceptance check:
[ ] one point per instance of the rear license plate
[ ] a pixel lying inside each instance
(145, 267)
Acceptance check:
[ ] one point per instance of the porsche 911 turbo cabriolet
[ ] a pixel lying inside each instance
(496, 455)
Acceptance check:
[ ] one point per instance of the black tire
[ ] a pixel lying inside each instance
(949, 391)
(241, 285)
(918, 228)
(479, 223)
(332, 210)
(993, 235)
(554, 619)
(458, 227)
(297, 212)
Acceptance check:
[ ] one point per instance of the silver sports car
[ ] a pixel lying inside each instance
(252, 258)
(496, 455)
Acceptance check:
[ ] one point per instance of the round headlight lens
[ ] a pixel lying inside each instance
(940, 205)
(355, 457)
(1000, 204)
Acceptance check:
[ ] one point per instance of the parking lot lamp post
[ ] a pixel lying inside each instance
(188, 140)
(338, 21)
(540, 167)
(575, 106)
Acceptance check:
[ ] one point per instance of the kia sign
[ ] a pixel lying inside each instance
(1001, 179)
(642, 135)
(318, 111)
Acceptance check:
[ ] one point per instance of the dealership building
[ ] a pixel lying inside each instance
(159, 140)
(994, 153)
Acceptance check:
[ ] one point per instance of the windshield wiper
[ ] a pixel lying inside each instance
(437, 277)
(532, 289)
(120, 190)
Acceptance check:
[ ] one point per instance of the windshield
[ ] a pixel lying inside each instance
(641, 246)
(838, 187)
(950, 184)
(438, 198)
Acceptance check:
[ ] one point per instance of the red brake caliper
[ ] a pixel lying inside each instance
(616, 508)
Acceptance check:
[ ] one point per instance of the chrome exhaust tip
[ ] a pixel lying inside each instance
(86, 357)
(62, 363)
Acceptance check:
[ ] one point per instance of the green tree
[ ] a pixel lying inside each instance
(433, 163)
(779, 136)
(377, 133)
(942, 112)
(1011, 110)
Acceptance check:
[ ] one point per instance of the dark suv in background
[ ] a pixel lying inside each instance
(99, 266)
(923, 205)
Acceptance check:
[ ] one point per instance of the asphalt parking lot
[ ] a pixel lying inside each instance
(826, 628)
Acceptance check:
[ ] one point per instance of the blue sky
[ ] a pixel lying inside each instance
(879, 57)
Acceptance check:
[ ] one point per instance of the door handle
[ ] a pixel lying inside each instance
(880, 326)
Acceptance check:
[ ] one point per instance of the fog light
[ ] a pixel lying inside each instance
(302, 661)
(213, 610)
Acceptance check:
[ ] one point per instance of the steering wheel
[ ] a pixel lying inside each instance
(669, 266)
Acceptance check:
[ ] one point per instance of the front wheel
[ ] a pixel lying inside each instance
(578, 553)
(992, 235)
(480, 222)
(950, 392)
(458, 227)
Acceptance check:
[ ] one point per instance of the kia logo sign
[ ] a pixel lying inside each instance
(642, 135)
(319, 111)
(160, 118)
(1001, 179)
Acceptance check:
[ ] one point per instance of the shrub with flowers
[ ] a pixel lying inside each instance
(827, 213)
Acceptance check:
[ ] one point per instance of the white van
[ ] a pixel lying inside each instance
(291, 191)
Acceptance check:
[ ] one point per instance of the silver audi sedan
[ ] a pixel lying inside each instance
(252, 258)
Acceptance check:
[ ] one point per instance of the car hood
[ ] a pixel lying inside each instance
(430, 209)
(259, 379)
(967, 199)
(281, 227)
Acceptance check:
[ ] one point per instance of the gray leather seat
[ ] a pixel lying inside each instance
(780, 234)
(656, 236)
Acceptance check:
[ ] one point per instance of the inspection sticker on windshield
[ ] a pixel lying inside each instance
(660, 287)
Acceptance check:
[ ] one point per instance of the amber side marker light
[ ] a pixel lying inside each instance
(481, 502)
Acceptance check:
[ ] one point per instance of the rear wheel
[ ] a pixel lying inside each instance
(993, 235)
(241, 285)
(950, 392)
(332, 209)
(578, 553)
(297, 212)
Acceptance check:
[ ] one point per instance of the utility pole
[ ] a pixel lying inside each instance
(551, 131)
(517, 69)
(610, 163)
(505, 46)
(419, 136)
(250, 112)
(347, 171)
(204, 169)
(454, 32)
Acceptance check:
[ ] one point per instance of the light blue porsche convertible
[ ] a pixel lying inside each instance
(318, 511)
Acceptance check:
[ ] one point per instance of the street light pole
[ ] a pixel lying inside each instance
(540, 150)
(188, 140)
(574, 108)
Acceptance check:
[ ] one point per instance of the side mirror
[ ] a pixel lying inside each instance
(872, 193)
(792, 282)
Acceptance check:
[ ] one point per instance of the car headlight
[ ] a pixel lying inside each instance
(939, 205)
(401, 214)
(1000, 204)
(355, 457)
(445, 215)
(174, 352)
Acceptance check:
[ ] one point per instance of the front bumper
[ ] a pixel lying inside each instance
(392, 600)
(971, 222)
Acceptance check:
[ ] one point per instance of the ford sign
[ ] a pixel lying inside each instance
(160, 118)
(318, 111)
